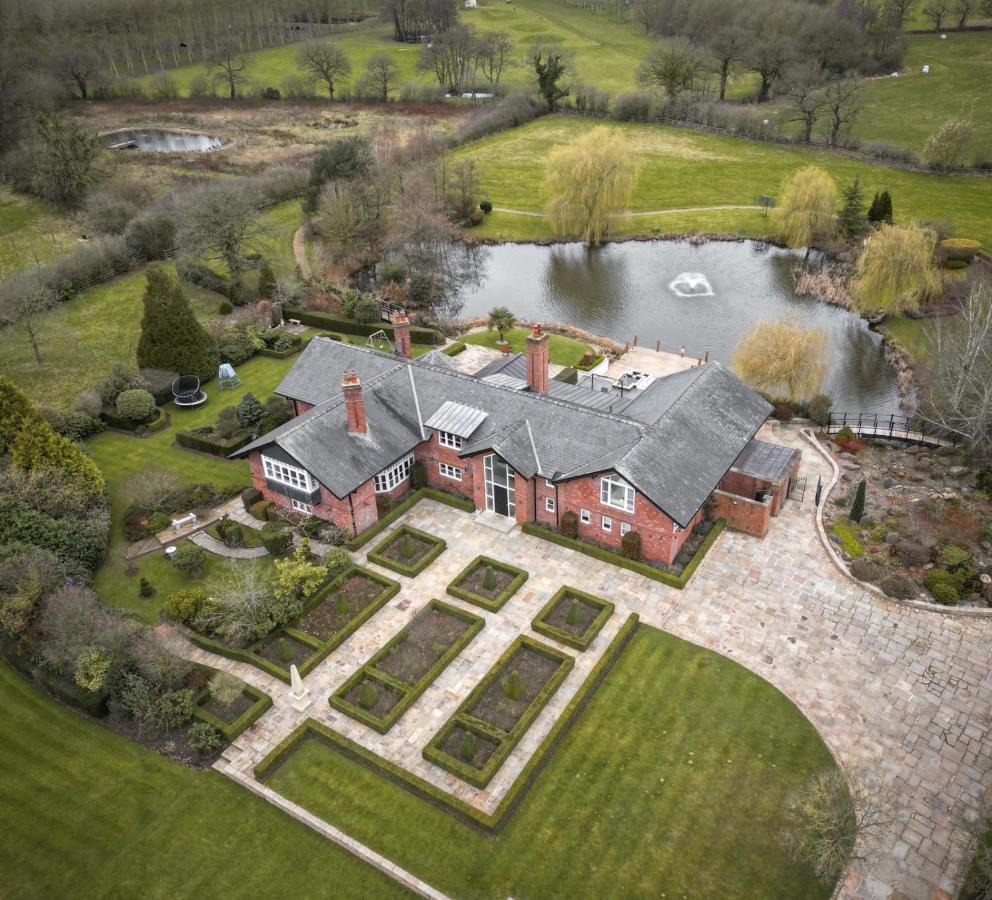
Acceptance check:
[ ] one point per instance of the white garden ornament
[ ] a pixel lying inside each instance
(299, 693)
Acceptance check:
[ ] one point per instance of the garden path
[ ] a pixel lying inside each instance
(219, 548)
(901, 696)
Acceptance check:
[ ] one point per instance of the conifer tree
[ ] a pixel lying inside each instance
(40, 449)
(852, 210)
(874, 209)
(858, 505)
(250, 411)
(886, 200)
(16, 413)
(171, 337)
(266, 282)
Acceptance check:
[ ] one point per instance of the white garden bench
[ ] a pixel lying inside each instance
(191, 519)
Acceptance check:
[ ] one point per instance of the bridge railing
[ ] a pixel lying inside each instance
(897, 426)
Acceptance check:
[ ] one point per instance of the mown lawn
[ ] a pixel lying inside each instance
(88, 813)
(564, 351)
(32, 231)
(681, 171)
(671, 784)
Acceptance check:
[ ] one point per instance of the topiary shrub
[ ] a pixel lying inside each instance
(489, 579)
(486, 207)
(912, 555)
(858, 503)
(275, 537)
(203, 738)
(408, 547)
(573, 614)
(285, 651)
(260, 510)
(946, 594)
(514, 687)
(225, 308)
(136, 405)
(188, 558)
(158, 522)
(630, 545)
(184, 606)
(250, 496)
(145, 588)
(569, 526)
(250, 411)
(469, 746)
(866, 569)
(368, 696)
(899, 588)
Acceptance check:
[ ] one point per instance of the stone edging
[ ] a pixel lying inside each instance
(219, 548)
(839, 563)
(342, 840)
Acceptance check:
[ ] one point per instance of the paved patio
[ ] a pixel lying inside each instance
(902, 695)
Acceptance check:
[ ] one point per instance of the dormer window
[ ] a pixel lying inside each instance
(447, 439)
(615, 492)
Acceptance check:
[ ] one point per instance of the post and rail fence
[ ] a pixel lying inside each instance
(893, 426)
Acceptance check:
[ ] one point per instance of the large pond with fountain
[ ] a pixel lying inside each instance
(700, 296)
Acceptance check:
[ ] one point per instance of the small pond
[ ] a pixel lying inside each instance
(701, 296)
(158, 141)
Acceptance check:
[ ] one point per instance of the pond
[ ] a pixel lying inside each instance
(701, 296)
(158, 141)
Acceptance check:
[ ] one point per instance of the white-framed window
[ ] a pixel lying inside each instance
(624, 528)
(452, 472)
(446, 439)
(549, 483)
(615, 492)
(549, 504)
(585, 516)
(301, 507)
(293, 476)
(395, 475)
(607, 523)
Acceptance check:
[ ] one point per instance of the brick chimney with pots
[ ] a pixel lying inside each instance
(537, 360)
(355, 405)
(401, 335)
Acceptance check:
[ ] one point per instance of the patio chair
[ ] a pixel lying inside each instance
(186, 391)
(227, 378)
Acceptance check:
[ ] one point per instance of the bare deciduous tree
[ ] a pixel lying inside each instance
(844, 101)
(829, 822)
(673, 66)
(328, 62)
(221, 222)
(782, 358)
(381, 74)
(935, 11)
(230, 65)
(958, 390)
(242, 606)
(806, 100)
(494, 56)
(948, 145)
(76, 65)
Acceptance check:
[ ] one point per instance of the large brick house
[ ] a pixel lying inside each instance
(642, 456)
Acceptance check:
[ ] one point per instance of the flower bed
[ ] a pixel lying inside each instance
(496, 714)
(233, 720)
(324, 625)
(407, 550)
(573, 617)
(504, 581)
(406, 666)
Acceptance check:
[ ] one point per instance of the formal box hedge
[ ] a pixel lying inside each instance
(601, 553)
(435, 547)
(504, 740)
(341, 325)
(500, 816)
(209, 443)
(231, 730)
(322, 649)
(410, 691)
(566, 595)
(458, 588)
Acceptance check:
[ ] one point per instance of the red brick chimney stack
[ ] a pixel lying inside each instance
(537, 360)
(352, 387)
(401, 335)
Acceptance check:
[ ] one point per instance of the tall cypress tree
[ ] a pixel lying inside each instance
(852, 211)
(874, 211)
(171, 337)
(858, 505)
(886, 202)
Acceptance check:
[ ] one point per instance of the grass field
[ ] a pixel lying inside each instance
(563, 351)
(32, 232)
(670, 784)
(89, 813)
(79, 340)
(906, 110)
(681, 173)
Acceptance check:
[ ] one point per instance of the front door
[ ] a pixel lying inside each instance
(500, 490)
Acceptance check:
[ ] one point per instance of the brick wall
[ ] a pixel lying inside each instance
(742, 513)
(300, 407)
(431, 454)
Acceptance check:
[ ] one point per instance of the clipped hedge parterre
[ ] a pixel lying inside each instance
(541, 625)
(456, 588)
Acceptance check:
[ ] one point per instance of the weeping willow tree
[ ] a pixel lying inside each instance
(588, 183)
(782, 359)
(807, 208)
(897, 272)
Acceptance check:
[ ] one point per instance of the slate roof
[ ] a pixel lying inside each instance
(686, 433)
(457, 419)
(761, 459)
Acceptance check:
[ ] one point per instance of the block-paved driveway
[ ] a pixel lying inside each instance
(903, 696)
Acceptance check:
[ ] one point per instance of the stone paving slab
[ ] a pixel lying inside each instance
(219, 548)
(900, 695)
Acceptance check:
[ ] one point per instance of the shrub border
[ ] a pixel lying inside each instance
(232, 730)
(519, 577)
(507, 739)
(487, 823)
(214, 446)
(375, 555)
(600, 553)
(406, 505)
(410, 691)
(582, 642)
(390, 589)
